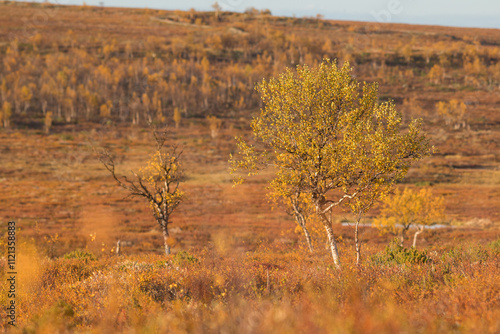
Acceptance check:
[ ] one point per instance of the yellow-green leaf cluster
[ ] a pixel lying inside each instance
(323, 131)
(407, 208)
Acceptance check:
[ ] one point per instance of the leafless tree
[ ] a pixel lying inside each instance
(158, 182)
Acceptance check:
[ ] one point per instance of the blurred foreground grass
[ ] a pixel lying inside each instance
(270, 290)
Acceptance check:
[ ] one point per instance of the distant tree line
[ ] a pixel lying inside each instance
(76, 77)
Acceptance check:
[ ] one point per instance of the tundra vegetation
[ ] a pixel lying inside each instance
(73, 74)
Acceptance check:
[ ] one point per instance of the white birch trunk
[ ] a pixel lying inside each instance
(332, 244)
(299, 217)
(327, 223)
(308, 239)
(420, 230)
(358, 244)
(165, 240)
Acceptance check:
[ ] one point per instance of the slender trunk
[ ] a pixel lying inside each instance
(327, 223)
(358, 244)
(301, 220)
(333, 244)
(420, 229)
(308, 239)
(118, 247)
(302, 223)
(402, 236)
(165, 239)
(268, 282)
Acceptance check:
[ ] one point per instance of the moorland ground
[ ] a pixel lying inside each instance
(242, 254)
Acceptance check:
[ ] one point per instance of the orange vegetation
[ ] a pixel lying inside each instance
(80, 77)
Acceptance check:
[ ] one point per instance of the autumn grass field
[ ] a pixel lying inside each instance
(271, 289)
(239, 264)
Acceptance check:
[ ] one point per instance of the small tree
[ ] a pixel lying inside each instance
(217, 8)
(48, 121)
(432, 210)
(453, 113)
(408, 208)
(214, 125)
(25, 97)
(158, 182)
(326, 140)
(177, 117)
(105, 109)
(436, 74)
(6, 113)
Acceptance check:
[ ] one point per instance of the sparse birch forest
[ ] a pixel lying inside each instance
(220, 172)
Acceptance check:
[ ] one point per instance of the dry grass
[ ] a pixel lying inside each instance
(239, 242)
(270, 290)
(252, 273)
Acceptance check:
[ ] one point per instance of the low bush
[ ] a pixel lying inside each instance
(80, 254)
(395, 253)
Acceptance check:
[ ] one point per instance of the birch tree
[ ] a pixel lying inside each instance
(408, 208)
(327, 135)
(158, 182)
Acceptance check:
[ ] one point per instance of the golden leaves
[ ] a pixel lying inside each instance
(320, 134)
(408, 207)
(452, 112)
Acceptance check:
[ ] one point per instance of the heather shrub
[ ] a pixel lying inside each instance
(394, 253)
(184, 257)
(80, 254)
(268, 290)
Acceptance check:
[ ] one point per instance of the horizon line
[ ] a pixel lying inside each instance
(347, 17)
